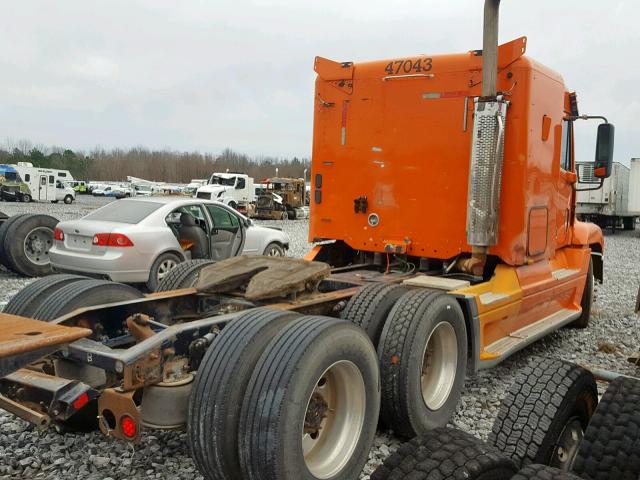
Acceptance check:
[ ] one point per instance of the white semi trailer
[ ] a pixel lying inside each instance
(617, 203)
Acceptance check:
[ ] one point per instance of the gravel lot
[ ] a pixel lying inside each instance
(27, 453)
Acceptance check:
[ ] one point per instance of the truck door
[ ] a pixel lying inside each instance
(42, 188)
(566, 180)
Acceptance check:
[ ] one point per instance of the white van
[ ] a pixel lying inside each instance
(42, 183)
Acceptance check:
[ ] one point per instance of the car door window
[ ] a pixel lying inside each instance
(223, 219)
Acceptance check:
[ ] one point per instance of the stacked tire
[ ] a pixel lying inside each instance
(25, 241)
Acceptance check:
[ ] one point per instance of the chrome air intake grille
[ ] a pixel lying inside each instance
(485, 173)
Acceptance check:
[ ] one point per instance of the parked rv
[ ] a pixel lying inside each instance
(26, 183)
(233, 189)
(617, 203)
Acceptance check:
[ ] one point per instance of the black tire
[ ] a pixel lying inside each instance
(233, 205)
(274, 249)
(160, 264)
(68, 199)
(85, 293)
(629, 223)
(446, 453)
(3, 234)
(370, 307)
(18, 259)
(291, 214)
(587, 300)
(25, 198)
(184, 275)
(54, 201)
(27, 300)
(220, 386)
(402, 351)
(611, 444)
(543, 472)
(549, 401)
(307, 356)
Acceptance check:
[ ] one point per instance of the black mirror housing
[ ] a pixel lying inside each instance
(604, 151)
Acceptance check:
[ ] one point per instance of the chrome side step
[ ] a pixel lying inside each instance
(527, 335)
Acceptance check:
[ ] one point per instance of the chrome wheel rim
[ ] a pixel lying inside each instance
(165, 267)
(37, 244)
(274, 252)
(565, 452)
(439, 365)
(333, 419)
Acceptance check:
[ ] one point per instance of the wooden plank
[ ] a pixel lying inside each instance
(439, 283)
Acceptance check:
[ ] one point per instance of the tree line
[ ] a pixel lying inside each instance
(156, 165)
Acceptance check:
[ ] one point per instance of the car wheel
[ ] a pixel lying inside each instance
(26, 198)
(233, 205)
(27, 243)
(160, 268)
(274, 250)
(68, 199)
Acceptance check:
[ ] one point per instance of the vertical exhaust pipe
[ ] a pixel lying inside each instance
(487, 145)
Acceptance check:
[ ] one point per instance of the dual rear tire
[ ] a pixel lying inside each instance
(309, 394)
(25, 241)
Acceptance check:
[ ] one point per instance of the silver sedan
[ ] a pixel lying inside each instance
(140, 240)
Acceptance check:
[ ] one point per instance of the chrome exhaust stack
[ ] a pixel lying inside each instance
(487, 150)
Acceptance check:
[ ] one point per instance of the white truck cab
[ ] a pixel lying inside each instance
(233, 189)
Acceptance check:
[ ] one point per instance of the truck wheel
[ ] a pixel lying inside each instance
(25, 198)
(370, 307)
(220, 386)
(183, 275)
(543, 472)
(586, 302)
(86, 293)
(423, 358)
(545, 412)
(233, 205)
(161, 268)
(311, 407)
(446, 453)
(629, 223)
(611, 444)
(68, 199)
(27, 243)
(3, 234)
(274, 250)
(27, 300)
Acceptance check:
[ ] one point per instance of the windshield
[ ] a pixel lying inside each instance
(11, 176)
(230, 182)
(124, 211)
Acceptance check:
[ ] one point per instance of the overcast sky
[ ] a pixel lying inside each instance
(204, 75)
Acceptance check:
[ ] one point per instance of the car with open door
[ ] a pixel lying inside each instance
(138, 240)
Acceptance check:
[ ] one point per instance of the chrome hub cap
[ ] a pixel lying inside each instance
(37, 244)
(439, 365)
(333, 420)
(273, 252)
(165, 267)
(568, 443)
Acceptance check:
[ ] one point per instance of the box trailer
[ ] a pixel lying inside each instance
(614, 205)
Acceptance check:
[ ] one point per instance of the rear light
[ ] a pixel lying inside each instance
(112, 240)
(81, 401)
(128, 426)
(58, 234)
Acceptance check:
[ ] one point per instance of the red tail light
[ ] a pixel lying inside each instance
(58, 234)
(128, 426)
(112, 240)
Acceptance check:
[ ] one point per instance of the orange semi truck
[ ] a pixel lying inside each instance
(443, 207)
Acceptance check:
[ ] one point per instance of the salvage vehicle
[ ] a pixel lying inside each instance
(64, 193)
(140, 240)
(233, 189)
(25, 241)
(281, 199)
(429, 283)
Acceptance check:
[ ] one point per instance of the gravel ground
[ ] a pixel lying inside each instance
(27, 453)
